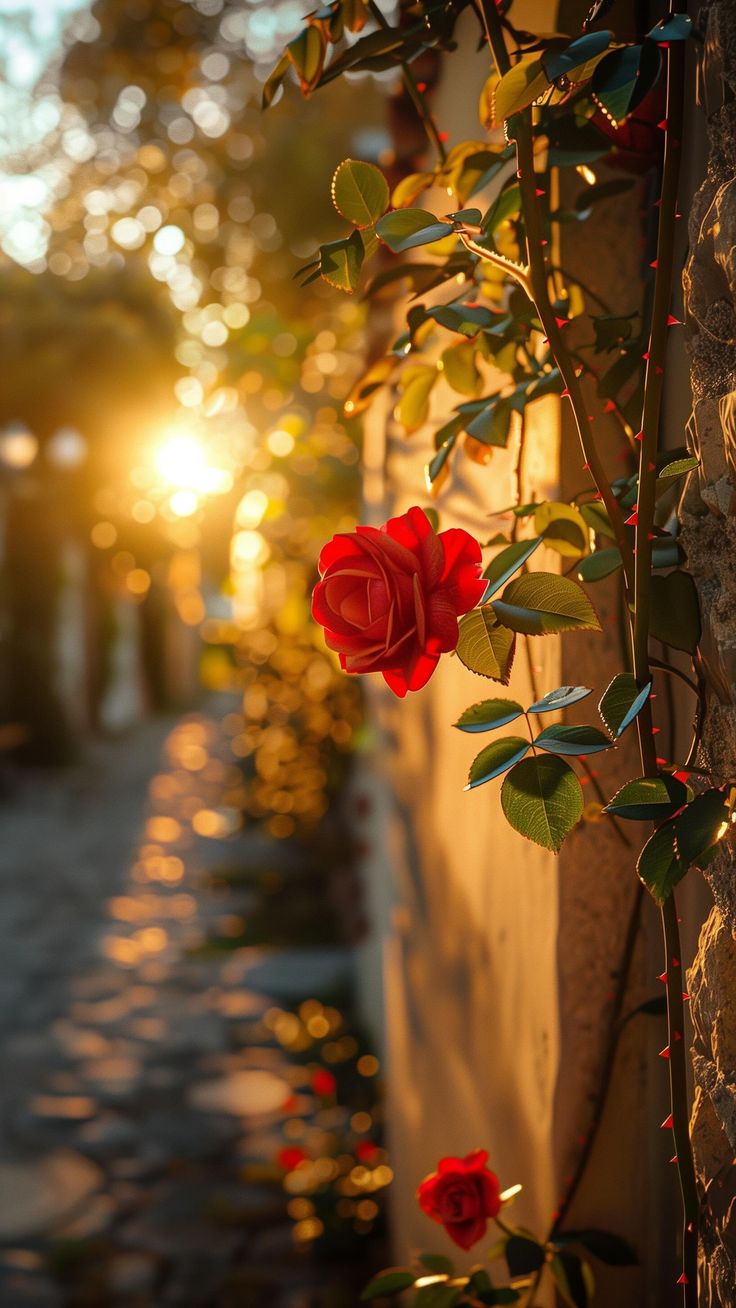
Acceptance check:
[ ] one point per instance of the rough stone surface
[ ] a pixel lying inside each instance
(709, 521)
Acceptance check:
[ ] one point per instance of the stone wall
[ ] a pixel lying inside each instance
(708, 511)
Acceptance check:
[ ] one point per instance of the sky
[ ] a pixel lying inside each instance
(30, 35)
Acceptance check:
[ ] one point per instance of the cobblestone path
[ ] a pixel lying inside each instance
(142, 1095)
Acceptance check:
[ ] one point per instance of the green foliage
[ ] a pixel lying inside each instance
(389, 1282)
(359, 192)
(542, 800)
(495, 759)
(682, 841)
(675, 616)
(406, 228)
(622, 701)
(485, 646)
(572, 740)
(654, 798)
(489, 714)
(543, 602)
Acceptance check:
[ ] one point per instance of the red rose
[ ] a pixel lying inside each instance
(389, 600)
(461, 1195)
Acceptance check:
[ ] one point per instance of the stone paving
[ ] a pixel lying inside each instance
(144, 1092)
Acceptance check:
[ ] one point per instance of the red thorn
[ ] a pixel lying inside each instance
(685, 996)
(667, 1123)
(651, 467)
(681, 776)
(646, 356)
(562, 322)
(539, 191)
(544, 242)
(665, 1053)
(609, 407)
(673, 1159)
(690, 1227)
(653, 264)
(682, 1280)
(597, 496)
(676, 1035)
(565, 392)
(639, 436)
(672, 321)
(661, 762)
(675, 962)
(651, 535)
(663, 125)
(633, 518)
(443, 136)
(659, 371)
(663, 975)
(656, 731)
(586, 467)
(591, 417)
(421, 86)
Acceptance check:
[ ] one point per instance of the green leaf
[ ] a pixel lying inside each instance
(606, 1246)
(655, 798)
(437, 1296)
(519, 87)
(701, 825)
(435, 466)
(489, 714)
(596, 516)
(463, 318)
(569, 1273)
(675, 612)
(341, 262)
(572, 740)
(391, 1281)
(506, 205)
(560, 698)
(598, 565)
(306, 53)
(578, 55)
(460, 370)
(493, 424)
(623, 78)
(678, 27)
(403, 229)
(413, 407)
(437, 1263)
(484, 646)
(495, 759)
(507, 562)
(682, 841)
(563, 527)
(274, 80)
(678, 467)
(542, 602)
(667, 552)
(622, 701)
(523, 1256)
(359, 192)
(542, 800)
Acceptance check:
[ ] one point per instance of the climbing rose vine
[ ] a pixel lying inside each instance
(493, 315)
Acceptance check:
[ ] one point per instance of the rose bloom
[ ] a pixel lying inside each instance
(389, 600)
(461, 1195)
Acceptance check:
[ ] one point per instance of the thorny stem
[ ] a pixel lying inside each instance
(653, 388)
(539, 293)
(415, 95)
(636, 569)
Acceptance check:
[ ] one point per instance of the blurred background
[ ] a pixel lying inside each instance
(190, 1108)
